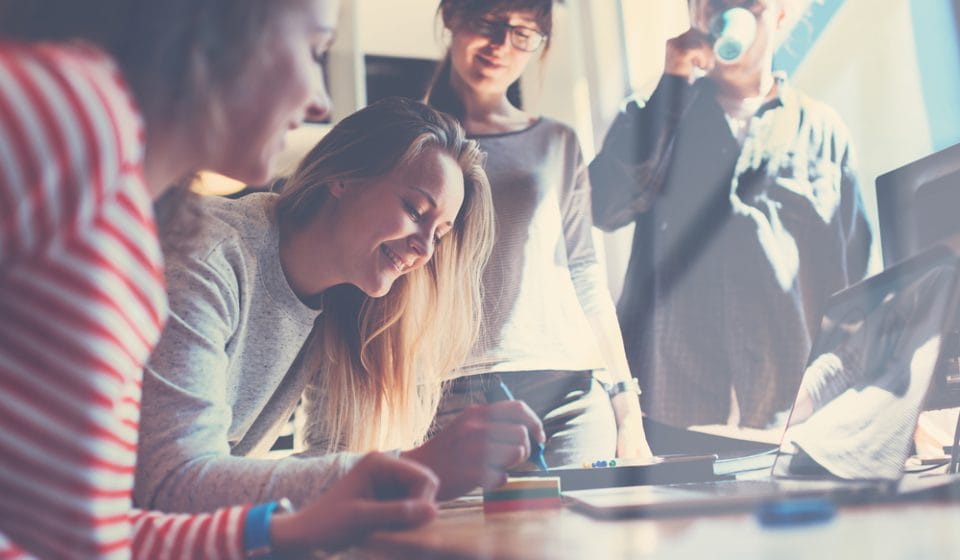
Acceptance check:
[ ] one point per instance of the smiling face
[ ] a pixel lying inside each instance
(390, 225)
(275, 91)
(482, 54)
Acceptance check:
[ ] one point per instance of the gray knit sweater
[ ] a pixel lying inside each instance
(225, 376)
(546, 304)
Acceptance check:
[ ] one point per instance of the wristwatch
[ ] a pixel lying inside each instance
(256, 531)
(614, 389)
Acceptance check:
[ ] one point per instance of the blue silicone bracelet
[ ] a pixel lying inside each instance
(256, 531)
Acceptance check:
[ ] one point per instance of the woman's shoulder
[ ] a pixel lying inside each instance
(556, 127)
(562, 135)
(76, 136)
(251, 215)
(74, 89)
(542, 131)
(197, 226)
(70, 64)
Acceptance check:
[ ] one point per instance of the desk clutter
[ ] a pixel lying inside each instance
(600, 464)
(523, 493)
(618, 473)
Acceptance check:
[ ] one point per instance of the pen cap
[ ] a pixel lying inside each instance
(734, 31)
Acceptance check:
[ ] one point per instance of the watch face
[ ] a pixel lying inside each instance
(284, 506)
(632, 386)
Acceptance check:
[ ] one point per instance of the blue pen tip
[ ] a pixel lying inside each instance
(537, 458)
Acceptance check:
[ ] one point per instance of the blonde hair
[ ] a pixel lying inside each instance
(381, 361)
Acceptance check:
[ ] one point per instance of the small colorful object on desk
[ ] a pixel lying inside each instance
(600, 464)
(523, 493)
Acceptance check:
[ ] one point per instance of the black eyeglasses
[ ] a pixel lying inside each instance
(522, 38)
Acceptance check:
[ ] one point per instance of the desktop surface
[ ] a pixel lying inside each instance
(908, 531)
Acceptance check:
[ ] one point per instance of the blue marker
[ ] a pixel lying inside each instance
(536, 452)
(794, 512)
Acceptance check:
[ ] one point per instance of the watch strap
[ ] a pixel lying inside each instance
(256, 530)
(631, 386)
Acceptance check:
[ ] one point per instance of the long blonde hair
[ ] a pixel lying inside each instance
(381, 361)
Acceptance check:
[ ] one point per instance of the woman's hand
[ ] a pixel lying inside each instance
(380, 492)
(689, 55)
(631, 439)
(479, 446)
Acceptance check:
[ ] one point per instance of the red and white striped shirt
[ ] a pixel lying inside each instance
(82, 303)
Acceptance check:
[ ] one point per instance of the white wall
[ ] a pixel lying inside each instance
(556, 86)
(402, 28)
(864, 65)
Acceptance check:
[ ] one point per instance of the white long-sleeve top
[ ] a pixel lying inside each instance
(546, 303)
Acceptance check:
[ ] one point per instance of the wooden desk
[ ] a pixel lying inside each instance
(908, 531)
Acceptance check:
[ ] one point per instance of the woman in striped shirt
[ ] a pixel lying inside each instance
(102, 106)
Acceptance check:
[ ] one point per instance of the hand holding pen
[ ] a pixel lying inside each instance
(499, 392)
(480, 446)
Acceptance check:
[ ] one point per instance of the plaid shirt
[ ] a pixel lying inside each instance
(735, 250)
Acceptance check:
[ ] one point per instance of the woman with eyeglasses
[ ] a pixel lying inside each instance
(549, 328)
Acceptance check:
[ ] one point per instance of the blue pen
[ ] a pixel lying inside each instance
(536, 452)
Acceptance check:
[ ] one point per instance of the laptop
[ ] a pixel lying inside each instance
(850, 430)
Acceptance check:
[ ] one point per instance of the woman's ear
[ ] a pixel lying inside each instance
(337, 188)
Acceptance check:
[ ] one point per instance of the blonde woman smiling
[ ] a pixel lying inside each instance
(358, 285)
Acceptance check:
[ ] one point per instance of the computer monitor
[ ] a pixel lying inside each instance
(918, 204)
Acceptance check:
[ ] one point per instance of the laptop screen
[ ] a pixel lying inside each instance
(869, 371)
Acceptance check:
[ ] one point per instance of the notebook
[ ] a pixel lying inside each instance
(851, 427)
